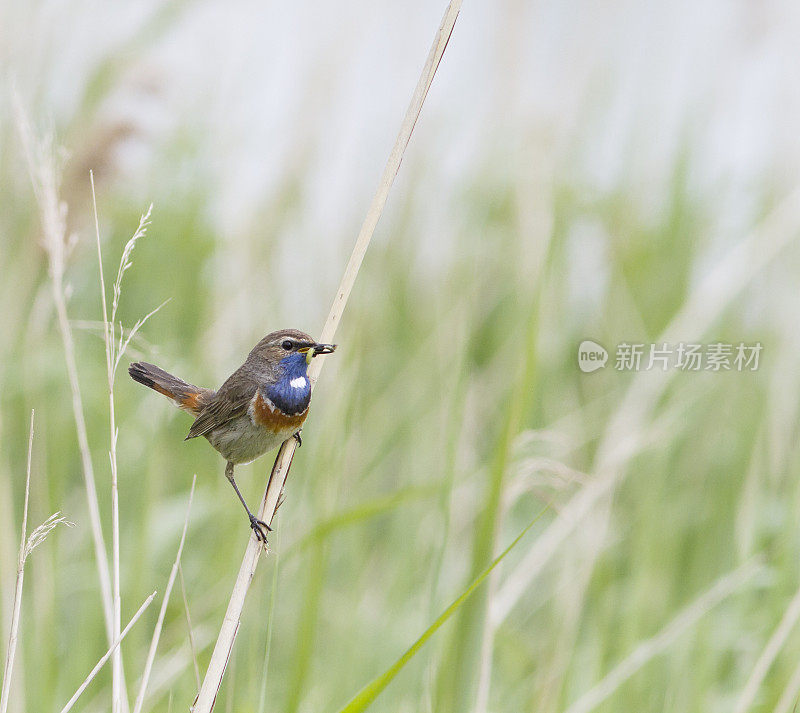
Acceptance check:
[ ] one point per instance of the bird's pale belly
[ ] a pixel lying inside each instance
(240, 440)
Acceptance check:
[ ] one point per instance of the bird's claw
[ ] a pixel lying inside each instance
(258, 527)
(297, 438)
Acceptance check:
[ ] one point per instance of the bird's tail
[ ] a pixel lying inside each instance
(185, 396)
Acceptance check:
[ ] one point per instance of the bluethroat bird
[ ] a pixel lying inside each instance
(264, 402)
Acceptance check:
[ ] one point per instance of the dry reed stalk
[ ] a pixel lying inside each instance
(44, 177)
(107, 655)
(26, 546)
(15, 613)
(151, 654)
(115, 348)
(230, 625)
(116, 664)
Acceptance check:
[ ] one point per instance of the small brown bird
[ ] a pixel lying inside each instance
(264, 402)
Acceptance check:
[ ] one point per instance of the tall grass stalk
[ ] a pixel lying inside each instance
(44, 177)
(269, 503)
(151, 654)
(107, 654)
(26, 546)
(116, 664)
(17, 605)
(114, 351)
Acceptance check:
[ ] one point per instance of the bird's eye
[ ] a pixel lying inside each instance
(287, 344)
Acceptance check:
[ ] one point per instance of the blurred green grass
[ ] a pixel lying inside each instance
(416, 465)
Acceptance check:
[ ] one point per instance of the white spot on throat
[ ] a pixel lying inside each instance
(298, 383)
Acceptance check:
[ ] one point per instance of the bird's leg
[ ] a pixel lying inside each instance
(297, 437)
(257, 525)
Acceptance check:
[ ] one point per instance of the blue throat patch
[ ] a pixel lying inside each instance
(291, 399)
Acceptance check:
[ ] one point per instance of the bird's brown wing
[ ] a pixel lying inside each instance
(231, 401)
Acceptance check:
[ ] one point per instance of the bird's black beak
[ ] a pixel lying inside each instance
(323, 349)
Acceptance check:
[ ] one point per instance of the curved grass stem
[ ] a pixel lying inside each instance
(230, 624)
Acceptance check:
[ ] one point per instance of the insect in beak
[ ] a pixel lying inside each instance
(324, 349)
(317, 349)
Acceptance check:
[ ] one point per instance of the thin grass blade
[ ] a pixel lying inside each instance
(362, 700)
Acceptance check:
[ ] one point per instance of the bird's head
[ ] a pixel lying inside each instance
(289, 347)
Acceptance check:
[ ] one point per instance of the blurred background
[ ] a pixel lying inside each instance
(615, 171)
